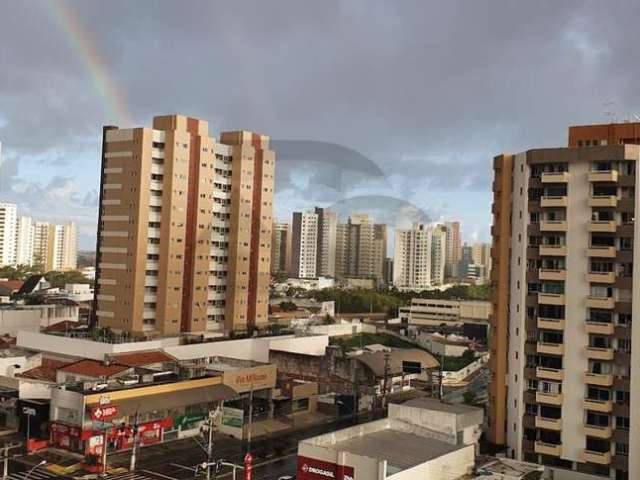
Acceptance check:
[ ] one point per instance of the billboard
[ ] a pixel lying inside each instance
(312, 469)
(232, 422)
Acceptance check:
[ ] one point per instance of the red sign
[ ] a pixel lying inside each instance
(104, 412)
(312, 469)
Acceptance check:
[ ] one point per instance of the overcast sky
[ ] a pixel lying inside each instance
(396, 107)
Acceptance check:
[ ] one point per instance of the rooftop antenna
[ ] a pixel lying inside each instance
(609, 111)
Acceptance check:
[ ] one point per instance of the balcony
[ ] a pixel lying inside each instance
(551, 373)
(602, 406)
(602, 251)
(604, 176)
(553, 226)
(550, 323)
(551, 298)
(597, 431)
(600, 328)
(555, 250)
(554, 177)
(550, 348)
(600, 379)
(598, 353)
(547, 449)
(549, 398)
(601, 277)
(549, 423)
(601, 302)
(548, 274)
(601, 458)
(609, 226)
(557, 201)
(603, 201)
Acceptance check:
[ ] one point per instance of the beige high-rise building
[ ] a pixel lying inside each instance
(41, 244)
(565, 389)
(62, 247)
(419, 257)
(361, 248)
(280, 248)
(453, 249)
(184, 234)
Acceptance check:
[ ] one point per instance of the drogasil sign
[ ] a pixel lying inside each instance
(312, 469)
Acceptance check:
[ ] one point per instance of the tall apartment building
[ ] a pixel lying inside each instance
(280, 248)
(453, 249)
(8, 226)
(565, 388)
(184, 234)
(304, 245)
(419, 257)
(326, 250)
(361, 247)
(62, 247)
(41, 244)
(24, 241)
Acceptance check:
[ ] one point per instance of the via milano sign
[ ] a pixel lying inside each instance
(312, 469)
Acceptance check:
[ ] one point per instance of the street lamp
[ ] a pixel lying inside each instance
(26, 477)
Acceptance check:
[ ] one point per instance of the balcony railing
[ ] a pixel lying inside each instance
(550, 348)
(553, 201)
(551, 298)
(554, 250)
(601, 302)
(550, 323)
(603, 176)
(553, 225)
(549, 423)
(599, 328)
(550, 373)
(603, 201)
(602, 406)
(601, 458)
(601, 277)
(598, 431)
(608, 226)
(549, 398)
(550, 274)
(602, 251)
(601, 379)
(554, 177)
(599, 353)
(547, 449)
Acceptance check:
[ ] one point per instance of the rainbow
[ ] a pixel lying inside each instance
(112, 97)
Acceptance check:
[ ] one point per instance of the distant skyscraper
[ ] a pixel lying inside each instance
(326, 251)
(62, 247)
(281, 248)
(453, 247)
(184, 236)
(40, 244)
(361, 247)
(304, 244)
(25, 233)
(8, 234)
(419, 257)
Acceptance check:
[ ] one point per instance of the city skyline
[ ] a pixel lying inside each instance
(91, 83)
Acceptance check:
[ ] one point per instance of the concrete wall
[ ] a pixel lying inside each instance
(341, 329)
(452, 465)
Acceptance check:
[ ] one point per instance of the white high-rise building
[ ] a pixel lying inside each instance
(304, 245)
(326, 254)
(8, 233)
(419, 257)
(63, 247)
(25, 231)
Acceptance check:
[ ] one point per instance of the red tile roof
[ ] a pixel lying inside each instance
(94, 368)
(140, 359)
(45, 372)
(14, 285)
(63, 326)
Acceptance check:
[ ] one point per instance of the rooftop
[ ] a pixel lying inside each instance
(142, 359)
(46, 372)
(376, 360)
(94, 368)
(440, 406)
(401, 450)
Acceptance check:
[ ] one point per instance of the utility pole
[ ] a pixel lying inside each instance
(250, 419)
(132, 464)
(385, 381)
(210, 446)
(6, 448)
(440, 392)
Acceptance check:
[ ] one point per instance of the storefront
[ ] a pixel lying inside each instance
(82, 420)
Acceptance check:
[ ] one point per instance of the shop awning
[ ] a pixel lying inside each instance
(171, 400)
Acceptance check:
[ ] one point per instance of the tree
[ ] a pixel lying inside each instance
(280, 277)
(60, 279)
(288, 306)
(469, 397)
